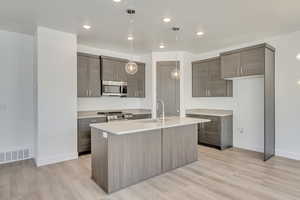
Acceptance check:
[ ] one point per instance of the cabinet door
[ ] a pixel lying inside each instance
(195, 80)
(82, 76)
(119, 71)
(108, 70)
(84, 133)
(136, 83)
(230, 65)
(210, 132)
(94, 77)
(203, 79)
(141, 81)
(218, 87)
(201, 134)
(253, 62)
(132, 84)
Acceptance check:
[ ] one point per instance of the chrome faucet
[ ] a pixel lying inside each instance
(163, 108)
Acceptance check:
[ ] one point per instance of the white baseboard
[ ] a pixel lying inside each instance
(278, 152)
(257, 149)
(55, 159)
(286, 154)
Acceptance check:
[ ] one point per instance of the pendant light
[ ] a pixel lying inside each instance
(175, 74)
(131, 67)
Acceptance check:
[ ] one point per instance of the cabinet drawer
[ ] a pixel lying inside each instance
(84, 141)
(84, 135)
(211, 138)
(84, 148)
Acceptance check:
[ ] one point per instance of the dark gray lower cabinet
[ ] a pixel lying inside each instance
(84, 133)
(217, 133)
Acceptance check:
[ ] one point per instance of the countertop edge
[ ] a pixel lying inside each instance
(149, 129)
(210, 112)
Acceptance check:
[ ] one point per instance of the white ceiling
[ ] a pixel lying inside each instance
(225, 22)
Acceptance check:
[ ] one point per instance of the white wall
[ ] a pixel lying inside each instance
(56, 96)
(287, 94)
(16, 89)
(107, 103)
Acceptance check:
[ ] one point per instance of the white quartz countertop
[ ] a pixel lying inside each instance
(134, 126)
(211, 112)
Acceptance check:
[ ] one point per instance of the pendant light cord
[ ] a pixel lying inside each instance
(177, 51)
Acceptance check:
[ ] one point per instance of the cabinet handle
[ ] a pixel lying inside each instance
(87, 93)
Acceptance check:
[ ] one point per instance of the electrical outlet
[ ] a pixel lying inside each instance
(241, 130)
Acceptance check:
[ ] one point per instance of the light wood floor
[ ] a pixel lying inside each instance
(230, 174)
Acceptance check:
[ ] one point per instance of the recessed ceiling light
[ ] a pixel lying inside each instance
(298, 56)
(298, 82)
(167, 19)
(200, 33)
(162, 46)
(117, 1)
(87, 27)
(130, 37)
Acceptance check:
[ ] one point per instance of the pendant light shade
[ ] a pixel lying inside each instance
(131, 68)
(175, 74)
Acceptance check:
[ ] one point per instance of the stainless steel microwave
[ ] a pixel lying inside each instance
(114, 88)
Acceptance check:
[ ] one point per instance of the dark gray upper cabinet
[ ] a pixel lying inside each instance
(253, 61)
(207, 81)
(136, 83)
(230, 65)
(113, 69)
(249, 61)
(88, 75)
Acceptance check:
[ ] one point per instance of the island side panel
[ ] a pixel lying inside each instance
(179, 146)
(99, 159)
(133, 158)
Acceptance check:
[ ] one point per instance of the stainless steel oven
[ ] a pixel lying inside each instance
(114, 88)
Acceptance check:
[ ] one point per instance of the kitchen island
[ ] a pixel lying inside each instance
(127, 152)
